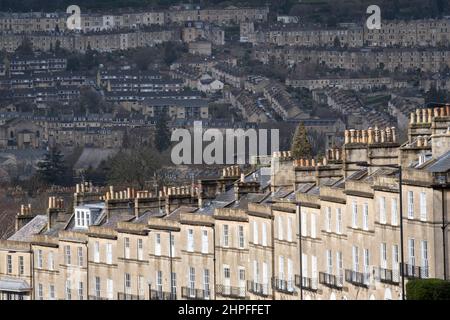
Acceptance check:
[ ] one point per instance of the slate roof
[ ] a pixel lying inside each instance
(35, 226)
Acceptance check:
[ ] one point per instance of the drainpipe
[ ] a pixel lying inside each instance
(214, 259)
(444, 226)
(32, 275)
(299, 207)
(171, 258)
(273, 255)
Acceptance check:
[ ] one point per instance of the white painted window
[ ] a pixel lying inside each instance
(140, 249)
(394, 212)
(395, 259)
(423, 206)
(172, 245)
(127, 248)
(280, 228)
(410, 205)
(328, 219)
(289, 229)
(354, 214)
(329, 260)
(411, 252)
(383, 255)
(68, 290)
(340, 267)
(264, 234)
(80, 256)
(109, 253)
(52, 295)
(281, 267)
(67, 255)
(191, 281)
(226, 279)
(22, 265)
(174, 284)
(96, 252)
(366, 216)
(314, 269)
(355, 258)
(206, 282)
(303, 224)
(366, 266)
(339, 221)
(255, 232)
(141, 286)
(241, 237)
(290, 274)
(225, 235)
(158, 244)
(80, 290)
(241, 273)
(39, 261)
(255, 271)
(97, 287)
(40, 293)
(305, 265)
(313, 225)
(424, 257)
(110, 288)
(265, 277)
(205, 243)
(190, 240)
(127, 283)
(382, 210)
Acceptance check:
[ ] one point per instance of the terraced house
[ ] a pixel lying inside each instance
(357, 224)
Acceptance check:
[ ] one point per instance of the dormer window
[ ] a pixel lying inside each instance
(82, 218)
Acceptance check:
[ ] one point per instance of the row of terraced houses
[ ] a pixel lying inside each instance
(292, 229)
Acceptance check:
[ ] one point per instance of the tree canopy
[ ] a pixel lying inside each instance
(301, 147)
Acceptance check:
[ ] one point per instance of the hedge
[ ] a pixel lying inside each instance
(428, 289)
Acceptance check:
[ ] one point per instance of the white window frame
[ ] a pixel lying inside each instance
(338, 220)
(327, 219)
(225, 235)
(354, 214)
(264, 234)
(329, 261)
(97, 287)
(157, 244)
(255, 232)
(355, 258)
(39, 261)
(394, 212)
(423, 206)
(424, 253)
(289, 229)
(96, 252)
(280, 228)
(68, 290)
(67, 255)
(190, 240)
(382, 205)
(241, 237)
(410, 205)
(80, 290)
(140, 249)
(205, 241)
(206, 283)
(366, 216)
(109, 253)
(80, 256)
(51, 292)
(126, 246)
(313, 226)
(110, 288)
(304, 223)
